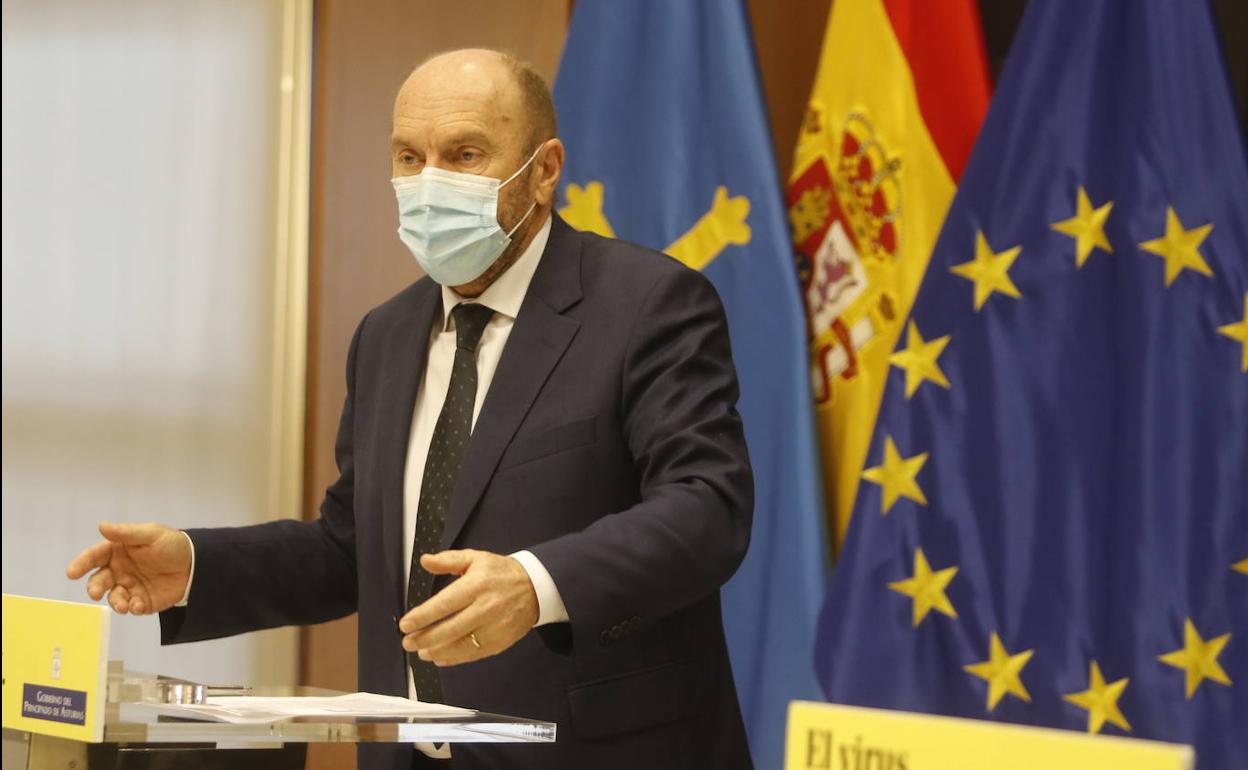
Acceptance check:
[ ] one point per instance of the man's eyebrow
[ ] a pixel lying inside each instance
(453, 140)
(467, 137)
(398, 141)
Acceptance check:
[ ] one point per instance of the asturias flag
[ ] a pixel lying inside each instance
(1053, 522)
(901, 89)
(662, 113)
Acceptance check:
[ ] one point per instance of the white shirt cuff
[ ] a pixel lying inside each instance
(191, 577)
(550, 607)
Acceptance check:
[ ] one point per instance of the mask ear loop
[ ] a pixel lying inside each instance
(532, 205)
(511, 232)
(520, 170)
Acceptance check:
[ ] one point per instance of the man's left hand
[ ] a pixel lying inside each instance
(493, 602)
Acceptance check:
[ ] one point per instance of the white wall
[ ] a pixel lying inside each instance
(140, 146)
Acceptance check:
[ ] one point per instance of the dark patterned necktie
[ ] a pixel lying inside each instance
(446, 454)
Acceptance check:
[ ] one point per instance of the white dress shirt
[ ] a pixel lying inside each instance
(504, 297)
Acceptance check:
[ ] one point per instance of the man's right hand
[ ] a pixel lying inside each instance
(143, 568)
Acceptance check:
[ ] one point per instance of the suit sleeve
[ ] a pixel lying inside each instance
(282, 572)
(690, 530)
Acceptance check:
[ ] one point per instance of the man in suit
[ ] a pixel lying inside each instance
(542, 471)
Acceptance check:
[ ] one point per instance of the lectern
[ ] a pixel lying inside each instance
(66, 709)
(136, 737)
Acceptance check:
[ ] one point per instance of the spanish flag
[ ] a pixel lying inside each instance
(899, 96)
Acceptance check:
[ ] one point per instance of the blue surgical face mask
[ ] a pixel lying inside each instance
(449, 221)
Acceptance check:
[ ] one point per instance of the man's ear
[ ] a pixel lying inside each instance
(549, 164)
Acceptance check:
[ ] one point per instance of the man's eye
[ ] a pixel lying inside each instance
(407, 159)
(469, 155)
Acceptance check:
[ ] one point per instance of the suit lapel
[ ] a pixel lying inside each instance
(404, 365)
(538, 340)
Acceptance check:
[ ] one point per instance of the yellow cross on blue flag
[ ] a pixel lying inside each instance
(1052, 526)
(661, 111)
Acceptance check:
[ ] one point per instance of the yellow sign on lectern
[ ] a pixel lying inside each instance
(824, 736)
(55, 667)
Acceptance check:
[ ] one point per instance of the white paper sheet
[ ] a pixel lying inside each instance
(249, 709)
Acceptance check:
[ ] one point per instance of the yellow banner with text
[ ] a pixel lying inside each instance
(825, 736)
(55, 667)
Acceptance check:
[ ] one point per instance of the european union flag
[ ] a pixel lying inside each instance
(661, 111)
(1053, 527)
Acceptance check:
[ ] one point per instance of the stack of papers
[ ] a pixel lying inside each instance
(249, 709)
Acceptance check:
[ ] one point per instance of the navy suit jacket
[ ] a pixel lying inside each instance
(609, 445)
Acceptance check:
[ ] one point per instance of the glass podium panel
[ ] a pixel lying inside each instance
(129, 721)
(136, 735)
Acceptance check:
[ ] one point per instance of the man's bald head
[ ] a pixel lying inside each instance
(536, 104)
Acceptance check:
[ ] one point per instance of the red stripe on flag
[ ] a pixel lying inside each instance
(944, 44)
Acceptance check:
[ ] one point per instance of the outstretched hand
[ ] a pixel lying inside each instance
(142, 568)
(489, 608)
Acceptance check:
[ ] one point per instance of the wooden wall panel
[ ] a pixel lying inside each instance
(787, 40)
(364, 50)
